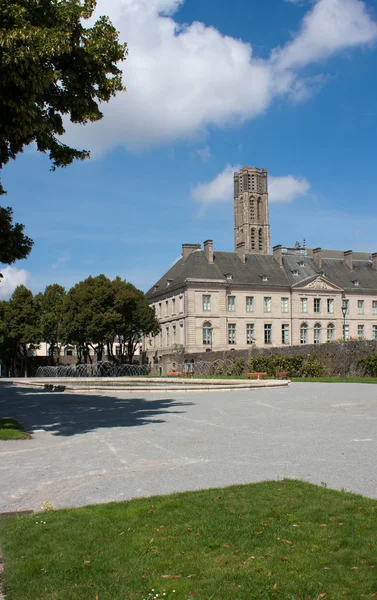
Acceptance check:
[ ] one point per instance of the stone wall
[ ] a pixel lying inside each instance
(333, 357)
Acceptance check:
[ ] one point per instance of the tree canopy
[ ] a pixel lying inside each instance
(14, 244)
(51, 65)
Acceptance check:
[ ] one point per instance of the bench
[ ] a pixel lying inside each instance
(176, 374)
(282, 375)
(256, 375)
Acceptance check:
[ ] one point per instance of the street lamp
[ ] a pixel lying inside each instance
(344, 311)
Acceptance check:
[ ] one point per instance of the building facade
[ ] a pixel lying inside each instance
(212, 300)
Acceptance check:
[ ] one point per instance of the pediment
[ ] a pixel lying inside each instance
(318, 283)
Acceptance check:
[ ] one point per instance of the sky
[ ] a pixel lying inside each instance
(213, 85)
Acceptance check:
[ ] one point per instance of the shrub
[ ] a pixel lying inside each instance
(369, 363)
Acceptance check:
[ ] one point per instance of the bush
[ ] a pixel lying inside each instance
(369, 363)
(296, 365)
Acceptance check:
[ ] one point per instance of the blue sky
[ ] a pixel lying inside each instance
(211, 85)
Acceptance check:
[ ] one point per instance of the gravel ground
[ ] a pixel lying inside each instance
(99, 447)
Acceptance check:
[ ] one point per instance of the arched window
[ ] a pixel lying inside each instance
(252, 209)
(207, 334)
(330, 332)
(253, 247)
(259, 210)
(260, 239)
(317, 333)
(304, 333)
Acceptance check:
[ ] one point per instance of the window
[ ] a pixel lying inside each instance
(166, 308)
(356, 282)
(285, 334)
(264, 277)
(330, 306)
(259, 211)
(160, 339)
(167, 336)
(231, 303)
(317, 333)
(260, 238)
(268, 334)
(267, 305)
(252, 210)
(304, 333)
(68, 351)
(181, 304)
(374, 307)
(206, 303)
(231, 333)
(317, 305)
(174, 334)
(360, 332)
(160, 309)
(360, 307)
(207, 334)
(375, 332)
(347, 303)
(249, 304)
(250, 333)
(173, 306)
(346, 332)
(330, 332)
(253, 239)
(304, 305)
(285, 305)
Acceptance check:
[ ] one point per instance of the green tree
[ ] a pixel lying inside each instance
(135, 317)
(89, 319)
(50, 304)
(51, 65)
(21, 318)
(14, 244)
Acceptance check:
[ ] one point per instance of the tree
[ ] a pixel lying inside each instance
(14, 244)
(51, 65)
(136, 317)
(22, 326)
(50, 305)
(89, 316)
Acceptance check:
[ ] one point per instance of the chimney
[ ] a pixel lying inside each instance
(374, 261)
(278, 254)
(208, 250)
(348, 259)
(241, 251)
(317, 256)
(188, 249)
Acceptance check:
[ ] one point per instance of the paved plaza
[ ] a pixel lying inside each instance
(104, 446)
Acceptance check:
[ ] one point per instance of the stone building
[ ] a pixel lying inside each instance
(218, 300)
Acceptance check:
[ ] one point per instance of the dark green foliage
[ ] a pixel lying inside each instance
(50, 306)
(14, 244)
(52, 65)
(296, 365)
(235, 368)
(369, 363)
(284, 540)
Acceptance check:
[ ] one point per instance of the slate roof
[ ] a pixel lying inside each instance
(196, 267)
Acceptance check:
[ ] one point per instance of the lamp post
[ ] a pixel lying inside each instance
(344, 311)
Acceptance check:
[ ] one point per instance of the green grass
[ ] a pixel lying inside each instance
(284, 540)
(10, 429)
(336, 380)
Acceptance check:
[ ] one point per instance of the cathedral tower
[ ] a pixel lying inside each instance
(251, 220)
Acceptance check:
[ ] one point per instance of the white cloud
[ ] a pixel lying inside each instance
(330, 27)
(204, 154)
(12, 277)
(286, 189)
(182, 79)
(220, 189)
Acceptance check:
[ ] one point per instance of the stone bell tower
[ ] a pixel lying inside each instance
(251, 220)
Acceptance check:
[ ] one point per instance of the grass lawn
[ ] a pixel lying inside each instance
(335, 379)
(284, 540)
(10, 429)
